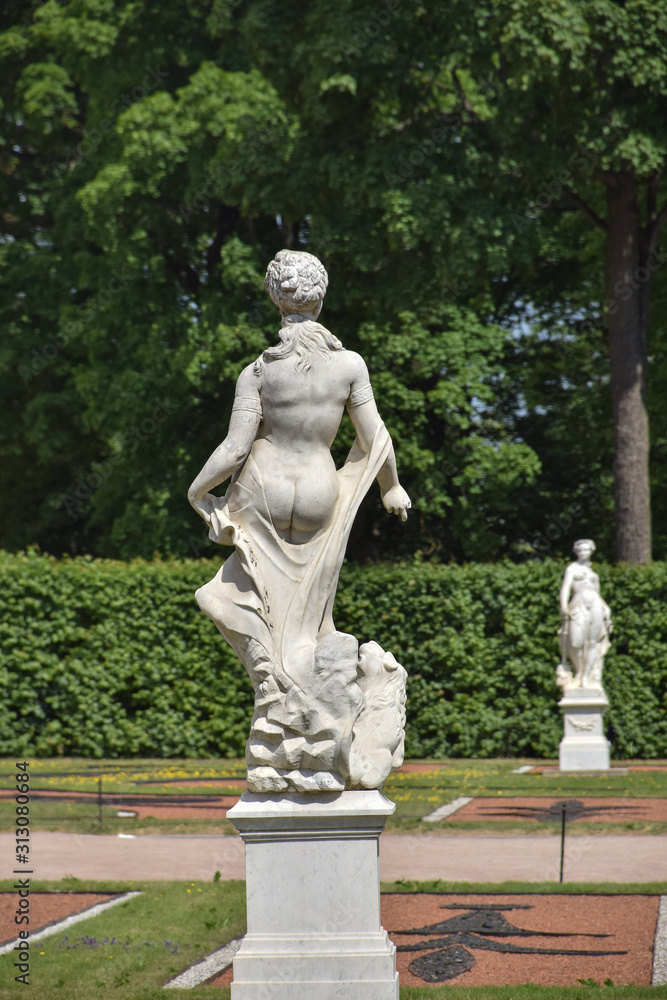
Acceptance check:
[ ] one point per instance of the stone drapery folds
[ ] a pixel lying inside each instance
(328, 716)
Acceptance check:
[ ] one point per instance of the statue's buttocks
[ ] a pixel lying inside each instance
(300, 490)
(301, 414)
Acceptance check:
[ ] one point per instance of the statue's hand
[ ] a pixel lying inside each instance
(204, 507)
(397, 501)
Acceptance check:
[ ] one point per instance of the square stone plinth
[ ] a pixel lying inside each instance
(313, 890)
(584, 746)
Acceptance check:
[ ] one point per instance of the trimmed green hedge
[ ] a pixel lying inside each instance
(108, 659)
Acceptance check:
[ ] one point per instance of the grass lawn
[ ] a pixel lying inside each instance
(415, 795)
(131, 950)
(172, 924)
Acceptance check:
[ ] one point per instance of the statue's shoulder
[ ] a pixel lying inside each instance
(250, 379)
(353, 358)
(354, 364)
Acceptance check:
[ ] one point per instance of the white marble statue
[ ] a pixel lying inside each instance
(584, 634)
(288, 513)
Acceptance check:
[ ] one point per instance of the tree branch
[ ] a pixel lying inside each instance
(464, 99)
(654, 217)
(183, 272)
(401, 125)
(228, 216)
(652, 198)
(653, 231)
(585, 209)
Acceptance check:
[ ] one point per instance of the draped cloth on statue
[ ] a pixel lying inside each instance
(584, 640)
(272, 600)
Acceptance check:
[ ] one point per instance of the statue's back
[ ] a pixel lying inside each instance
(305, 407)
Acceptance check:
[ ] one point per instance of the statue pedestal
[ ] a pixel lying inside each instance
(313, 898)
(584, 746)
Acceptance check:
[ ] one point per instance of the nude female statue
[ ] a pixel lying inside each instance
(288, 512)
(584, 635)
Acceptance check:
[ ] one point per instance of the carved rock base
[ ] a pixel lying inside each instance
(313, 891)
(584, 746)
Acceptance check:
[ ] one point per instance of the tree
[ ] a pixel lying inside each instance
(566, 100)
(584, 94)
(157, 158)
(154, 171)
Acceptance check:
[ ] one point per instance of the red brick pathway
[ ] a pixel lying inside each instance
(608, 809)
(45, 907)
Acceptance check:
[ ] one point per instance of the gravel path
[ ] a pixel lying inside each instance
(474, 859)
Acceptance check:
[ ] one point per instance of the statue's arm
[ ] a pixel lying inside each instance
(565, 591)
(229, 456)
(364, 415)
(606, 610)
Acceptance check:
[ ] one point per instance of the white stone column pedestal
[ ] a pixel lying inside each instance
(584, 746)
(313, 888)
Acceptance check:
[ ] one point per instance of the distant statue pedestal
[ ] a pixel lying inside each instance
(313, 889)
(584, 746)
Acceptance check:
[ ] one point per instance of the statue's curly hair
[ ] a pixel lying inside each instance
(296, 282)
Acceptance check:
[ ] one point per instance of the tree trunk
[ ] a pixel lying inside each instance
(627, 279)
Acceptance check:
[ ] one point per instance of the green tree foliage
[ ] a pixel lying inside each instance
(116, 661)
(549, 110)
(156, 157)
(584, 89)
